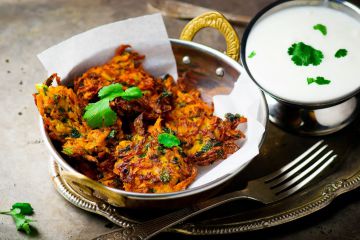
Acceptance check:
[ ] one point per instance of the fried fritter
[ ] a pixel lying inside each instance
(60, 110)
(62, 118)
(145, 166)
(206, 138)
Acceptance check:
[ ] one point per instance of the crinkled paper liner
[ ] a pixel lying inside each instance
(148, 36)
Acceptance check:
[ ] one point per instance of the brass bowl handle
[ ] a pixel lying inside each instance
(218, 21)
(91, 189)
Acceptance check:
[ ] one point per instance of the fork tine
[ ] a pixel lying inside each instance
(298, 168)
(302, 173)
(277, 173)
(301, 184)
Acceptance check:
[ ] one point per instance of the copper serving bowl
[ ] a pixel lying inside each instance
(213, 73)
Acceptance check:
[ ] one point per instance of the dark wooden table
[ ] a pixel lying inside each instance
(27, 27)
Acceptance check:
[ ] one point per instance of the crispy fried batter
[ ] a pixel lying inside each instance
(145, 166)
(206, 138)
(60, 110)
(128, 154)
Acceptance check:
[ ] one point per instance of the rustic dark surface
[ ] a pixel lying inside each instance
(29, 27)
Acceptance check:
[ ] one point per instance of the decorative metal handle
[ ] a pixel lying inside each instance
(148, 229)
(91, 189)
(218, 21)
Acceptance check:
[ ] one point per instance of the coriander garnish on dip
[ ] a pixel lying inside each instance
(305, 54)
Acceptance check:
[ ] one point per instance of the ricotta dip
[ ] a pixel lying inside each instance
(271, 65)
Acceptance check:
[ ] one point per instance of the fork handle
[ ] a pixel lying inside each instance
(152, 227)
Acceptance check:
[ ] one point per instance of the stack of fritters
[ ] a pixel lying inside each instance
(128, 155)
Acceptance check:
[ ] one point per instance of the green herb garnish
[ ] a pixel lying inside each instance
(252, 54)
(100, 114)
(161, 150)
(131, 93)
(18, 212)
(68, 151)
(25, 208)
(42, 87)
(112, 134)
(125, 149)
(165, 94)
(304, 55)
(341, 53)
(322, 28)
(168, 140)
(318, 80)
(75, 133)
(56, 98)
(232, 117)
(208, 146)
(165, 176)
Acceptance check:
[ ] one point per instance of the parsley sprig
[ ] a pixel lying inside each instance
(19, 211)
(322, 28)
(341, 53)
(318, 80)
(304, 55)
(168, 140)
(100, 114)
(252, 54)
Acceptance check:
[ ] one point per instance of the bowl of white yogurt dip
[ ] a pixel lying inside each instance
(305, 55)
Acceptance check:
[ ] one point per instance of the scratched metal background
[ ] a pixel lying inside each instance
(29, 26)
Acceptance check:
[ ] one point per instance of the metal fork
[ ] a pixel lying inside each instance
(268, 189)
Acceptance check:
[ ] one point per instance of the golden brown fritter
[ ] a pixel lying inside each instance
(60, 110)
(90, 146)
(145, 166)
(62, 118)
(125, 68)
(206, 138)
(128, 154)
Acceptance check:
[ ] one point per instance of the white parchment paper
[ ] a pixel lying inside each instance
(245, 100)
(148, 36)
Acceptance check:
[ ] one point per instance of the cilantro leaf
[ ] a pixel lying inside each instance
(22, 222)
(25, 208)
(304, 55)
(112, 91)
(100, 114)
(168, 140)
(18, 212)
(252, 54)
(131, 93)
(318, 80)
(322, 28)
(341, 53)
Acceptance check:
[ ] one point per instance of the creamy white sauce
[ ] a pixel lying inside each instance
(274, 70)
